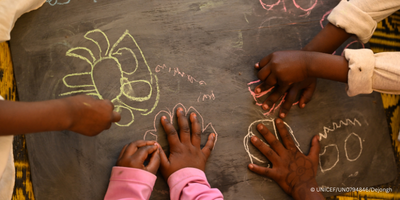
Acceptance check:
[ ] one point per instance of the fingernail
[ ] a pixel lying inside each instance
(156, 144)
(282, 115)
(213, 136)
(254, 139)
(265, 106)
(251, 166)
(303, 105)
(278, 121)
(194, 115)
(164, 118)
(258, 90)
(260, 127)
(257, 65)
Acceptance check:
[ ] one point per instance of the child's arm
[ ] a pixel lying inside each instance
(291, 169)
(184, 168)
(82, 114)
(130, 179)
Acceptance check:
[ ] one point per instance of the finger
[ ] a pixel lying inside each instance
(265, 171)
(307, 95)
(163, 158)
(289, 100)
(285, 135)
(172, 135)
(154, 163)
(122, 152)
(265, 149)
(263, 62)
(196, 130)
(262, 87)
(274, 97)
(209, 145)
(271, 139)
(184, 129)
(314, 150)
(143, 152)
(264, 73)
(133, 146)
(116, 117)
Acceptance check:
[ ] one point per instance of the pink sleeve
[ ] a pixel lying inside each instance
(191, 183)
(130, 183)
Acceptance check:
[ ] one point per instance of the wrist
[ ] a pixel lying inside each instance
(67, 113)
(307, 190)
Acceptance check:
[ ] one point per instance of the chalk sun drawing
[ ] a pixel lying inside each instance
(246, 139)
(335, 126)
(109, 61)
(152, 134)
(256, 98)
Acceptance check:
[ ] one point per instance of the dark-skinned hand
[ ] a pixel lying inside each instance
(134, 155)
(185, 150)
(293, 171)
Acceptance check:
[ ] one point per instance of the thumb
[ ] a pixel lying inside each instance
(314, 150)
(116, 117)
(154, 163)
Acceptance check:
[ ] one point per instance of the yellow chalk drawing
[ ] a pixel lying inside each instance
(111, 61)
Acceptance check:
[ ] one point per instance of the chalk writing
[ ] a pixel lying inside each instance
(257, 96)
(271, 6)
(204, 97)
(56, 2)
(110, 61)
(250, 134)
(175, 71)
(153, 133)
(335, 126)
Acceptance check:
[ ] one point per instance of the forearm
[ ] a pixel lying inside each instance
(328, 39)
(322, 65)
(23, 117)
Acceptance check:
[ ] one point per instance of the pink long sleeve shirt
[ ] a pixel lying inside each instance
(188, 183)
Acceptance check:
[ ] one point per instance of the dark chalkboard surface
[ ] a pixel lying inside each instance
(149, 57)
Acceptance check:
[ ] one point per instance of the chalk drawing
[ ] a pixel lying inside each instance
(271, 6)
(345, 147)
(176, 71)
(257, 96)
(323, 153)
(56, 2)
(125, 80)
(246, 139)
(335, 126)
(204, 97)
(170, 115)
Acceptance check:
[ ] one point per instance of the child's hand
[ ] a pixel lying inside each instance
(89, 116)
(291, 169)
(136, 153)
(185, 149)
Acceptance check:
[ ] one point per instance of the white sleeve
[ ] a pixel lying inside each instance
(360, 17)
(11, 10)
(368, 71)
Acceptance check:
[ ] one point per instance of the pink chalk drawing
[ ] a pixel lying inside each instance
(170, 116)
(256, 96)
(175, 71)
(271, 6)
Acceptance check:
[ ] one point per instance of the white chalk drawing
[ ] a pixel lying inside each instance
(204, 97)
(126, 80)
(246, 139)
(153, 135)
(323, 153)
(336, 126)
(345, 147)
(56, 2)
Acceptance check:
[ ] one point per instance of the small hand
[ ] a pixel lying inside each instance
(291, 169)
(136, 153)
(89, 116)
(185, 149)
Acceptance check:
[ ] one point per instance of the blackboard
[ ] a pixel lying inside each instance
(151, 56)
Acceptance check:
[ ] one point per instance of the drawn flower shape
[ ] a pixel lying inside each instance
(301, 170)
(153, 134)
(119, 73)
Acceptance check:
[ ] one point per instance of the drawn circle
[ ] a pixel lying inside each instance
(355, 137)
(304, 9)
(326, 163)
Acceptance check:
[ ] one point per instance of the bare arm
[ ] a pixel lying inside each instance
(328, 39)
(82, 114)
